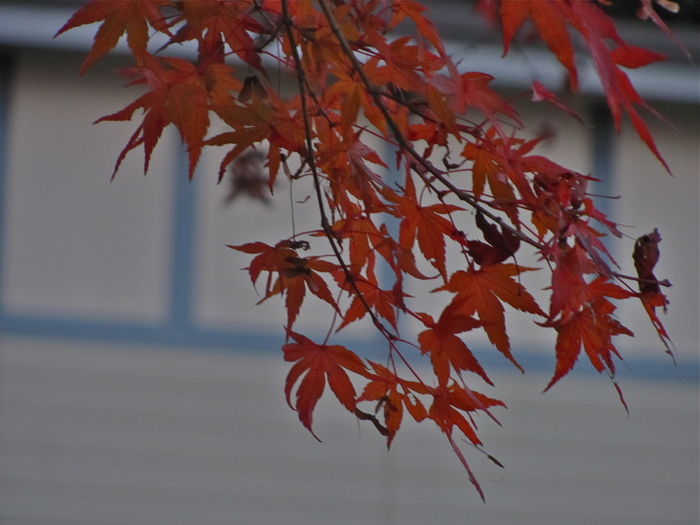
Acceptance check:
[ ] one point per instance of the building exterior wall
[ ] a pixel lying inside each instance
(104, 420)
(115, 433)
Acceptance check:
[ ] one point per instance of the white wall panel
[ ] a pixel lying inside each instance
(74, 244)
(107, 434)
(651, 198)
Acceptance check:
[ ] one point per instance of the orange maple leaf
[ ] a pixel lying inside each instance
(118, 17)
(583, 317)
(348, 66)
(262, 118)
(570, 290)
(399, 63)
(343, 159)
(485, 290)
(424, 223)
(486, 166)
(363, 237)
(348, 93)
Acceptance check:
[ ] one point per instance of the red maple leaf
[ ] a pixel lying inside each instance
(383, 302)
(443, 346)
(363, 236)
(447, 409)
(318, 364)
(596, 27)
(488, 165)
(550, 21)
(591, 328)
(213, 23)
(294, 274)
(177, 95)
(344, 161)
(646, 254)
(449, 402)
(415, 10)
(346, 67)
(393, 394)
(471, 90)
(541, 93)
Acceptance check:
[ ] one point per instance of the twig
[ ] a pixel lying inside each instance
(406, 145)
(310, 159)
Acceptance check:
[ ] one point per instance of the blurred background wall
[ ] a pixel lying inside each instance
(139, 384)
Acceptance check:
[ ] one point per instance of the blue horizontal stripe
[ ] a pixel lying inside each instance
(211, 339)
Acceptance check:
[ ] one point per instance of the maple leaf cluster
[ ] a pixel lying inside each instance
(460, 161)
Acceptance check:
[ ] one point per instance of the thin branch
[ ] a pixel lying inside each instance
(310, 159)
(406, 145)
(665, 282)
